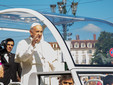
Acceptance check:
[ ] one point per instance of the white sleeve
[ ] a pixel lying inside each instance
(23, 51)
(51, 55)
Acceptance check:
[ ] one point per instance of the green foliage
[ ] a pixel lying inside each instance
(105, 42)
(99, 59)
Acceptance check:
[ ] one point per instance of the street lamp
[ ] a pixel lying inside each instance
(74, 7)
(60, 6)
(53, 8)
(63, 10)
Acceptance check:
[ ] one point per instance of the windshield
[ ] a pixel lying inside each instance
(88, 39)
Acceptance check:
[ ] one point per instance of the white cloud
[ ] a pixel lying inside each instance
(91, 28)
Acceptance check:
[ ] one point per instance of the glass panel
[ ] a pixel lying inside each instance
(96, 34)
(20, 20)
(47, 56)
(97, 38)
(20, 23)
(17, 25)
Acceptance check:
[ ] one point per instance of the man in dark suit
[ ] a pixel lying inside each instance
(12, 70)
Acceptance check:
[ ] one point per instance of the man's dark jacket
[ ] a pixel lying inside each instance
(10, 69)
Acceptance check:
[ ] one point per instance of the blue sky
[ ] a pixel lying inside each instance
(102, 9)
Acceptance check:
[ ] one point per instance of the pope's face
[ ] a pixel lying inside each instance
(37, 31)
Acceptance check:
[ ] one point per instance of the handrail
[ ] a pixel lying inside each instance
(1, 83)
(32, 78)
(52, 73)
(15, 83)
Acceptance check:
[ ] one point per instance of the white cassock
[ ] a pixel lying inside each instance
(34, 59)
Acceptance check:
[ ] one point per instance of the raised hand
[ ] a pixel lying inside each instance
(35, 40)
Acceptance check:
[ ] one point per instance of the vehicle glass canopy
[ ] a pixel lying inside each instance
(88, 39)
(17, 25)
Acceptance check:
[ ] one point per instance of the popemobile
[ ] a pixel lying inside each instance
(83, 46)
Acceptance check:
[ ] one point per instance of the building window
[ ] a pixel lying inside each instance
(82, 52)
(56, 46)
(94, 44)
(77, 53)
(76, 45)
(89, 45)
(83, 45)
(84, 60)
(53, 45)
(76, 60)
(89, 51)
(71, 46)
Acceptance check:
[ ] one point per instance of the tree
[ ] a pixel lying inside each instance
(105, 42)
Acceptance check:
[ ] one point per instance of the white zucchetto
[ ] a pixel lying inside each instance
(34, 24)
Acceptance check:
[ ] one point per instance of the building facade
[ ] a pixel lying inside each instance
(82, 50)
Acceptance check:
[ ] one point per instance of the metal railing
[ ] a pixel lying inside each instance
(1, 83)
(32, 78)
(15, 83)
